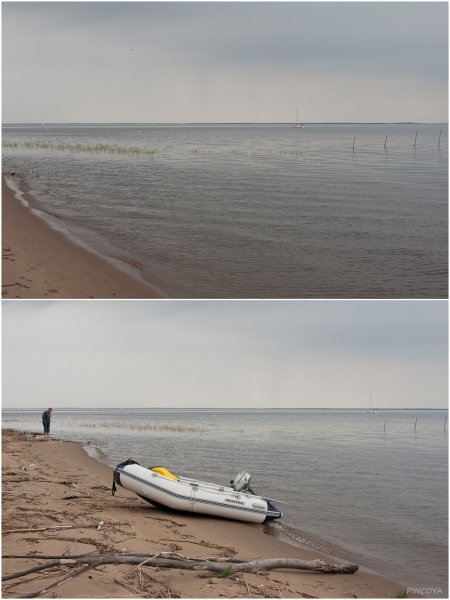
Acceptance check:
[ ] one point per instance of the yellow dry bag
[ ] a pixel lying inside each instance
(165, 472)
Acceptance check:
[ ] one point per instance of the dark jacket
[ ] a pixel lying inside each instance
(46, 416)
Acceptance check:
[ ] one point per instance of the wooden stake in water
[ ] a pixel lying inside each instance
(439, 142)
(385, 427)
(354, 144)
(415, 424)
(445, 422)
(385, 141)
(416, 138)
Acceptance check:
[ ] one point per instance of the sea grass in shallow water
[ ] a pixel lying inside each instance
(79, 147)
(147, 427)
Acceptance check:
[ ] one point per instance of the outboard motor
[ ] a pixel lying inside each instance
(241, 483)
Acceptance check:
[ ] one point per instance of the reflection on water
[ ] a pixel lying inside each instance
(260, 211)
(373, 495)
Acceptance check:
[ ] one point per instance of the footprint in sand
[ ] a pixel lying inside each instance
(52, 291)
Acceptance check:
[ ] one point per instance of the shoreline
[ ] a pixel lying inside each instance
(40, 261)
(41, 477)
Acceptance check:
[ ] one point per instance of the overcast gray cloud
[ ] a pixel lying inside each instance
(224, 354)
(203, 62)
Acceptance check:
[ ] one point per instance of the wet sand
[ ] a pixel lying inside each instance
(63, 488)
(41, 262)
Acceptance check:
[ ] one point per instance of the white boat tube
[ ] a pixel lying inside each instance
(185, 494)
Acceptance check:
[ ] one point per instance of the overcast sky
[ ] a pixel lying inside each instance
(224, 62)
(224, 354)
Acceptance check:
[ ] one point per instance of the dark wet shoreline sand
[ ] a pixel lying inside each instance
(41, 262)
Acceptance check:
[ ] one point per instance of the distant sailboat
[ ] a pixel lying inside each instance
(297, 123)
(370, 409)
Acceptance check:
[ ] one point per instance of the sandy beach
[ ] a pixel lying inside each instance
(57, 489)
(41, 262)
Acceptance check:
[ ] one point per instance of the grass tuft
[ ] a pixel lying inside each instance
(226, 573)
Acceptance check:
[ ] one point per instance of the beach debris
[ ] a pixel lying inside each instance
(27, 493)
(101, 547)
(34, 529)
(21, 480)
(248, 589)
(227, 549)
(83, 526)
(99, 487)
(30, 512)
(127, 587)
(57, 583)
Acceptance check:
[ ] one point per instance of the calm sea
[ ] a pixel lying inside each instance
(250, 211)
(356, 488)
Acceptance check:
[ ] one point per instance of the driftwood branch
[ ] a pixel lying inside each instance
(55, 528)
(25, 493)
(127, 587)
(54, 563)
(193, 564)
(92, 558)
(57, 583)
(34, 529)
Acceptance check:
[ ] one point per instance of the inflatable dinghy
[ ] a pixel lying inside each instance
(159, 487)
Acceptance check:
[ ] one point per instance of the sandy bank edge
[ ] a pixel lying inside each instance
(132, 523)
(40, 262)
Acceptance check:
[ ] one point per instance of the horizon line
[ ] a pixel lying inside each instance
(223, 123)
(220, 408)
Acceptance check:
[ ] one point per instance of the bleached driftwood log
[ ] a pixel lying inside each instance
(176, 561)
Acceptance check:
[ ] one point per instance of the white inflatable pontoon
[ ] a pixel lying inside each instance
(164, 490)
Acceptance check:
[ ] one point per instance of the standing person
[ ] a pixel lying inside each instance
(46, 416)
